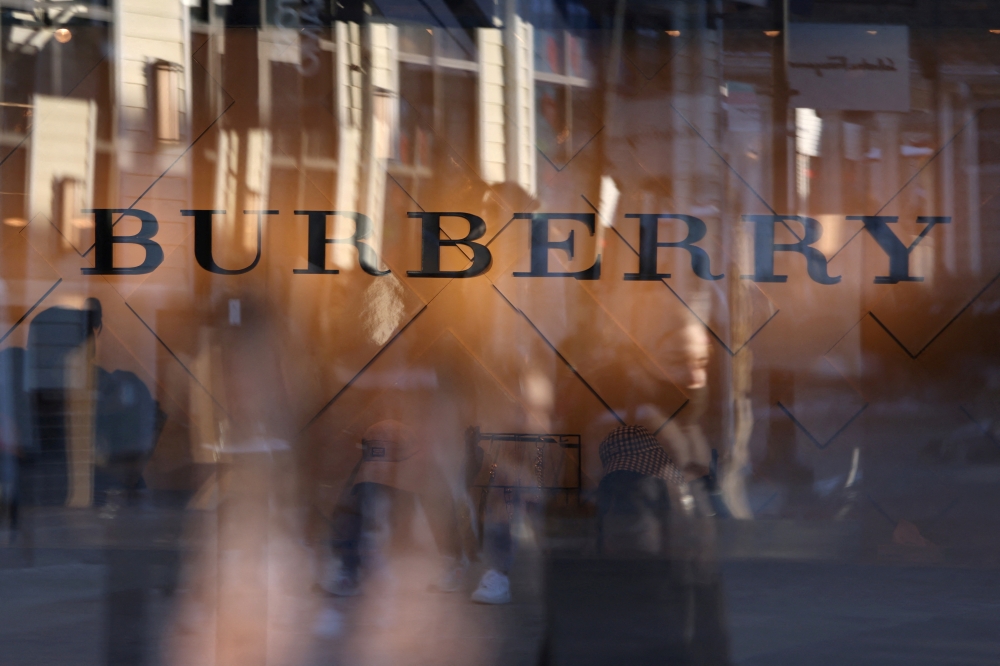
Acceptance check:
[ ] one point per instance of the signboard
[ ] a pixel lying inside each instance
(840, 67)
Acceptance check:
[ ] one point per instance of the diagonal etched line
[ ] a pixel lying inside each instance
(27, 134)
(892, 335)
(766, 502)
(62, 235)
(176, 358)
(846, 333)
(725, 161)
(733, 169)
(562, 358)
(943, 329)
(208, 72)
(810, 435)
(879, 508)
(582, 148)
(682, 301)
(372, 360)
(931, 159)
(693, 313)
(912, 178)
(853, 236)
(454, 155)
(31, 221)
(671, 417)
(364, 369)
(750, 339)
(502, 229)
(925, 231)
(30, 310)
(985, 431)
(960, 312)
(172, 164)
(403, 189)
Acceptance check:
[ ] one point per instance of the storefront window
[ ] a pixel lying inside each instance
(443, 332)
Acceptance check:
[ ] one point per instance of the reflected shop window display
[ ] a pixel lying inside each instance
(499, 332)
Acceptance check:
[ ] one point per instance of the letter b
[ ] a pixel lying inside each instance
(105, 239)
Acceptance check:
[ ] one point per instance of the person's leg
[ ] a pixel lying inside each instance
(498, 549)
(439, 506)
(346, 535)
(498, 546)
(376, 503)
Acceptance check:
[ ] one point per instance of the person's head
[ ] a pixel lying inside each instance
(684, 353)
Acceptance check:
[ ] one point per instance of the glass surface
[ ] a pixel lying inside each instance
(423, 332)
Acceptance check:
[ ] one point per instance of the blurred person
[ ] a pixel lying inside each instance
(60, 379)
(15, 432)
(395, 474)
(244, 589)
(498, 546)
(8, 474)
(511, 494)
(648, 591)
(685, 356)
(128, 425)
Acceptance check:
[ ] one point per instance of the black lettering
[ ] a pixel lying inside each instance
(649, 243)
(316, 251)
(899, 254)
(764, 248)
(430, 251)
(105, 239)
(540, 245)
(203, 239)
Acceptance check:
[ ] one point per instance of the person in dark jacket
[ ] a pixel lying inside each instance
(649, 593)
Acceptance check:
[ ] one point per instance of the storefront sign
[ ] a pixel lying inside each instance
(849, 67)
(541, 243)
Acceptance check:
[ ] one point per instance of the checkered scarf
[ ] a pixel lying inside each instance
(634, 449)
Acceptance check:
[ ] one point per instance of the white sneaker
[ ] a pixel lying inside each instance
(494, 588)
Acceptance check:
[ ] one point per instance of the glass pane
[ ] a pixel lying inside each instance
(421, 332)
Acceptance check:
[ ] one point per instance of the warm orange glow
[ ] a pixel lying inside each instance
(62, 35)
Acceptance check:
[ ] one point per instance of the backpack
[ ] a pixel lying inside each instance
(129, 420)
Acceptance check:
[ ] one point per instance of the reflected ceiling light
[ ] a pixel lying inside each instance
(995, 31)
(16, 222)
(673, 33)
(62, 35)
(872, 32)
(772, 33)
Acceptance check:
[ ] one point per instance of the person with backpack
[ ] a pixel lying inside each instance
(648, 592)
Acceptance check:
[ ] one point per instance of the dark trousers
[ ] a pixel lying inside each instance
(374, 518)
(648, 594)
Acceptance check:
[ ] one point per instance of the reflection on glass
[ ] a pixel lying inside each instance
(496, 332)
